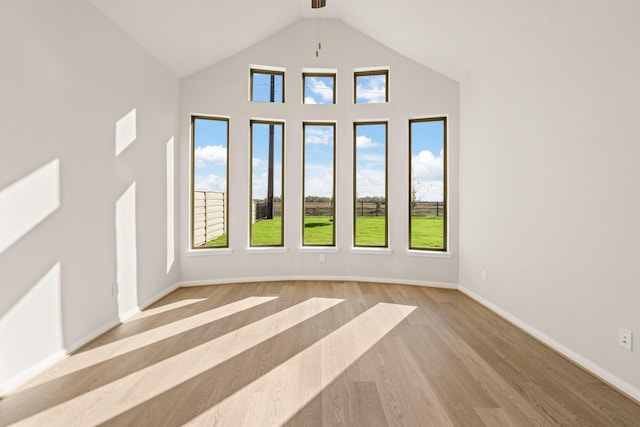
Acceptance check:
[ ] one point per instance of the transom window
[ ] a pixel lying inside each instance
(371, 87)
(267, 86)
(318, 88)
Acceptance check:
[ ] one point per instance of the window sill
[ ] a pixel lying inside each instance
(266, 250)
(209, 252)
(371, 251)
(428, 254)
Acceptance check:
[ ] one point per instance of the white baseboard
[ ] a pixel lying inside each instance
(29, 373)
(430, 284)
(59, 355)
(595, 369)
(56, 357)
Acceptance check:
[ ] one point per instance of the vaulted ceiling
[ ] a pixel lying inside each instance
(449, 36)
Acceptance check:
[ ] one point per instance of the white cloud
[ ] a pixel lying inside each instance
(365, 142)
(318, 180)
(320, 88)
(210, 183)
(321, 135)
(257, 162)
(370, 183)
(309, 100)
(428, 175)
(211, 153)
(427, 167)
(372, 89)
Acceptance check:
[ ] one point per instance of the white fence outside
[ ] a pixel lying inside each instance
(209, 222)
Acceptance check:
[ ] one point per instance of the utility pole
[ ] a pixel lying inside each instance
(271, 143)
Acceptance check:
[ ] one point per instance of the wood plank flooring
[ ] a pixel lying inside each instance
(316, 354)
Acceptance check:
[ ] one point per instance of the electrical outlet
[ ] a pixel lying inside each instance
(625, 339)
(114, 289)
(484, 276)
(321, 257)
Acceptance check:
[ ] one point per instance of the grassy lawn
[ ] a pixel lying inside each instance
(218, 242)
(318, 230)
(267, 232)
(427, 232)
(370, 231)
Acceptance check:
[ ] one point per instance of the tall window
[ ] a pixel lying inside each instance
(371, 87)
(319, 184)
(427, 177)
(210, 157)
(267, 86)
(318, 88)
(267, 172)
(370, 184)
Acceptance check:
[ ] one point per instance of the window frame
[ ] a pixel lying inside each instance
(445, 194)
(333, 207)
(282, 167)
(267, 71)
(368, 73)
(306, 74)
(225, 119)
(386, 182)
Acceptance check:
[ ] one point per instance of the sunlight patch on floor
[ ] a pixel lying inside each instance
(132, 390)
(278, 395)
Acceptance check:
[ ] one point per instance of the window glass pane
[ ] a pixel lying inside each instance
(267, 86)
(319, 89)
(427, 228)
(319, 173)
(371, 87)
(210, 189)
(267, 151)
(370, 210)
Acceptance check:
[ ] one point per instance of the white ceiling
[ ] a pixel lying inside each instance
(449, 36)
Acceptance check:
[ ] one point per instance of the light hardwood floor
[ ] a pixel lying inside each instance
(316, 353)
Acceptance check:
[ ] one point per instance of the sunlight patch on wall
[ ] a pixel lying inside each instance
(31, 331)
(180, 368)
(126, 252)
(27, 202)
(170, 205)
(125, 131)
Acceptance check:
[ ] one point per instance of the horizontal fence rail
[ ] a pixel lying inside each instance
(209, 220)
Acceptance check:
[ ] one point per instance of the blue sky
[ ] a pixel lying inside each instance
(262, 88)
(370, 160)
(260, 160)
(210, 155)
(319, 89)
(427, 159)
(318, 162)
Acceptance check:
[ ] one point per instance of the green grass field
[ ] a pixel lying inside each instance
(427, 232)
(318, 230)
(267, 232)
(218, 242)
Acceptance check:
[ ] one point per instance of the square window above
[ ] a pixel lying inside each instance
(318, 88)
(371, 87)
(267, 86)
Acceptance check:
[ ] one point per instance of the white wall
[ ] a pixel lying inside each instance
(67, 77)
(415, 91)
(549, 182)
